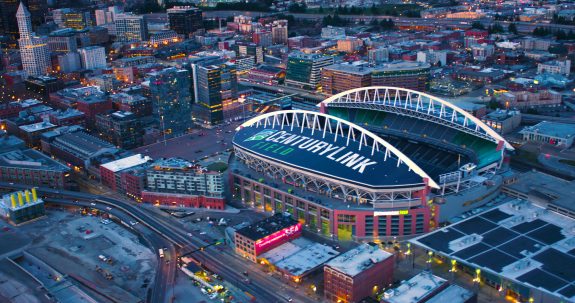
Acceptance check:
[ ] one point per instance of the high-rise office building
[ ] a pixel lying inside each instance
(63, 41)
(170, 95)
(121, 128)
(304, 70)
(74, 18)
(33, 50)
(280, 32)
(337, 78)
(131, 28)
(262, 38)
(93, 57)
(251, 49)
(185, 20)
(69, 62)
(8, 24)
(215, 91)
(38, 9)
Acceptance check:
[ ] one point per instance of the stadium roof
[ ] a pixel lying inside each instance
(335, 152)
(419, 104)
(517, 241)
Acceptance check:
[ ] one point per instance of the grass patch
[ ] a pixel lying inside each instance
(217, 166)
(568, 162)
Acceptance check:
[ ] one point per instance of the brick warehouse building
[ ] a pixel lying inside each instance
(357, 274)
(265, 235)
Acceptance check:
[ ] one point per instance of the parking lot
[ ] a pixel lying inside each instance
(198, 144)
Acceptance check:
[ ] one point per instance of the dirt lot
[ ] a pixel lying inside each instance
(72, 243)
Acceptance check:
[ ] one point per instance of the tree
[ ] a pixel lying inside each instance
(559, 49)
(373, 9)
(297, 8)
(477, 25)
(560, 35)
(512, 28)
(495, 29)
(387, 24)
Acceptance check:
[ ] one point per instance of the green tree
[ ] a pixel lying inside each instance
(560, 35)
(512, 28)
(477, 25)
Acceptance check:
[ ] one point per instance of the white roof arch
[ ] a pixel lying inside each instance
(414, 99)
(279, 117)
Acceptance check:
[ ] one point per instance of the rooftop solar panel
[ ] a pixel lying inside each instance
(529, 226)
(475, 225)
(548, 234)
(559, 263)
(539, 278)
(568, 291)
(546, 263)
(495, 215)
(519, 245)
(493, 259)
(440, 240)
(471, 251)
(499, 236)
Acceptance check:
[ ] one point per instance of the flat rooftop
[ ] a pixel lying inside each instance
(126, 163)
(554, 129)
(267, 226)
(452, 294)
(298, 260)
(364, 69)
(173, 163)
(541, 187)
(518, 241)
(31, 159)
(40, 126)
(415, 289)
(358, 259)
(501, 115)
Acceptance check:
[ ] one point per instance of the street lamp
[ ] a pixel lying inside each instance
(453, 266)
(429, 257)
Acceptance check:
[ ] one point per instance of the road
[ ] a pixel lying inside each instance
(302, 93)
(227, 265)
(523, 27)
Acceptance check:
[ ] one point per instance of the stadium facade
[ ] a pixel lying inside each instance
(373, 163)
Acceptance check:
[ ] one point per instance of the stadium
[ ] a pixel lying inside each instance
(373, 163)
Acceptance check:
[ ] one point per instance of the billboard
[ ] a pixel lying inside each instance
(278, 238)
(325, 154)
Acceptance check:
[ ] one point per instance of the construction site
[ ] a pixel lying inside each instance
(73, 257)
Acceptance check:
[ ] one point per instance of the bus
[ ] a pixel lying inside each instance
(161, 252)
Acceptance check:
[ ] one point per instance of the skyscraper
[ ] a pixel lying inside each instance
(304, 70)
(131, 28)
(185, 20)
(8, 24)
(33, 50)
(170, 95)
(93, 57)
(280, 32)
(215, 91)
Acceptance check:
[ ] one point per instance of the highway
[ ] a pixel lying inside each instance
(523, 27)
(227, 265)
